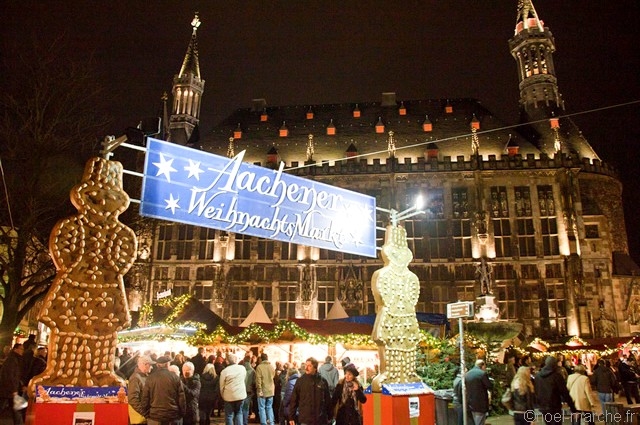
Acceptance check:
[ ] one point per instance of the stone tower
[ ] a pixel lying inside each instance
(532, 47)
(187, 94)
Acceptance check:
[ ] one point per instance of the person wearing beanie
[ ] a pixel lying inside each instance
(347, 398)
(551, 391)
(330, 373)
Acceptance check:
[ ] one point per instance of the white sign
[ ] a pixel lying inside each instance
(414, 407)
(164, 294)
(460, 309)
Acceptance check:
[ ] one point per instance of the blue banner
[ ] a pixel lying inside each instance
(55, 394)
(194, 187)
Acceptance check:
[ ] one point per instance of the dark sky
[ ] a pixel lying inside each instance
(309, 52)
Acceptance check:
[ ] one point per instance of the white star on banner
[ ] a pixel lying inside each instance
(164, 167)
(194, 169)
(172, 203)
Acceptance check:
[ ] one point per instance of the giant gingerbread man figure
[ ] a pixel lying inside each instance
(86, 304)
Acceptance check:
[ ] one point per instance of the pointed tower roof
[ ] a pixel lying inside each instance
(257, 315)
(191, 63)
(527, 17)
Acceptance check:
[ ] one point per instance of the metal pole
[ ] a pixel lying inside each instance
(462, 372)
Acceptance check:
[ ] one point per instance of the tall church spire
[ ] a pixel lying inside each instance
(532, 47)
(187, 92)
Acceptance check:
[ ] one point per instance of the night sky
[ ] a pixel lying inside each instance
(311, 52)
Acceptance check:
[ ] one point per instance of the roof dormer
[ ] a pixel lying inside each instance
(264, 117)
(310, 113)
(431, 151)
(351, 151)
(512, 148)
(284, 131)
(475, 122)
(356, 112)
(448, 108)
(427, 126)
(331, 128)
(379, 126)
(272, 155)
(402, 110)
(237, 133)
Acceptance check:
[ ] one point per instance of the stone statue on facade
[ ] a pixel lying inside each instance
(86, 305)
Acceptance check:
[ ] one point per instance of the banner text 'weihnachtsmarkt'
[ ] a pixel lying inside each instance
(194, 187)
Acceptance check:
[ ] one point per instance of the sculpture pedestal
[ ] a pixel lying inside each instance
(64, 413)
(400, 404)
(78, 405)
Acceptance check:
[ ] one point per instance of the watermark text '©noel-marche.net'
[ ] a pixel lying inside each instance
(589, 417)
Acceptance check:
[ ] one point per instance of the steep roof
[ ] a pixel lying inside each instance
(450, 121)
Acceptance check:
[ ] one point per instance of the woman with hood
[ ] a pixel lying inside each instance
(208, 393)
(551, 392)
(580, 390)
(291, 377)
(347, 397)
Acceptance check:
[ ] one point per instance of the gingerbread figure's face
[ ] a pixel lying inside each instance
(395, 251)
(97, 199)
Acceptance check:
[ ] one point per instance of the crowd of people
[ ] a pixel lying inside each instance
(20, 363)
(243, 390)
(541, 390)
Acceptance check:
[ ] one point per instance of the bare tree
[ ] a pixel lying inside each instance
(49, 127)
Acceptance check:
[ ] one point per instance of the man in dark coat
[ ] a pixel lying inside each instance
(11, 382)
(199, 361)
(551, 391)
(478, 386)
(310, 398)
(163, 398)
(605, 382)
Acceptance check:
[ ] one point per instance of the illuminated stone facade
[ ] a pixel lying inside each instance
(533, 203)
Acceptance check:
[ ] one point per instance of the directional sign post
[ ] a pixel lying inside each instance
(461, 310)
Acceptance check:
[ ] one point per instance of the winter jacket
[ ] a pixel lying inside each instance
(134, 395)
(580, 391)
(163, 397)
(286, 400)
(477, 385)
(604, 380)
(349, 412)
(265, 387)
(232, 386)
(209, 389)
(11, 375)
(199, 362)
(522, 402)
(551, 390)
(250, 379)
(329, 372)
(192, 387)
(311, 399)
